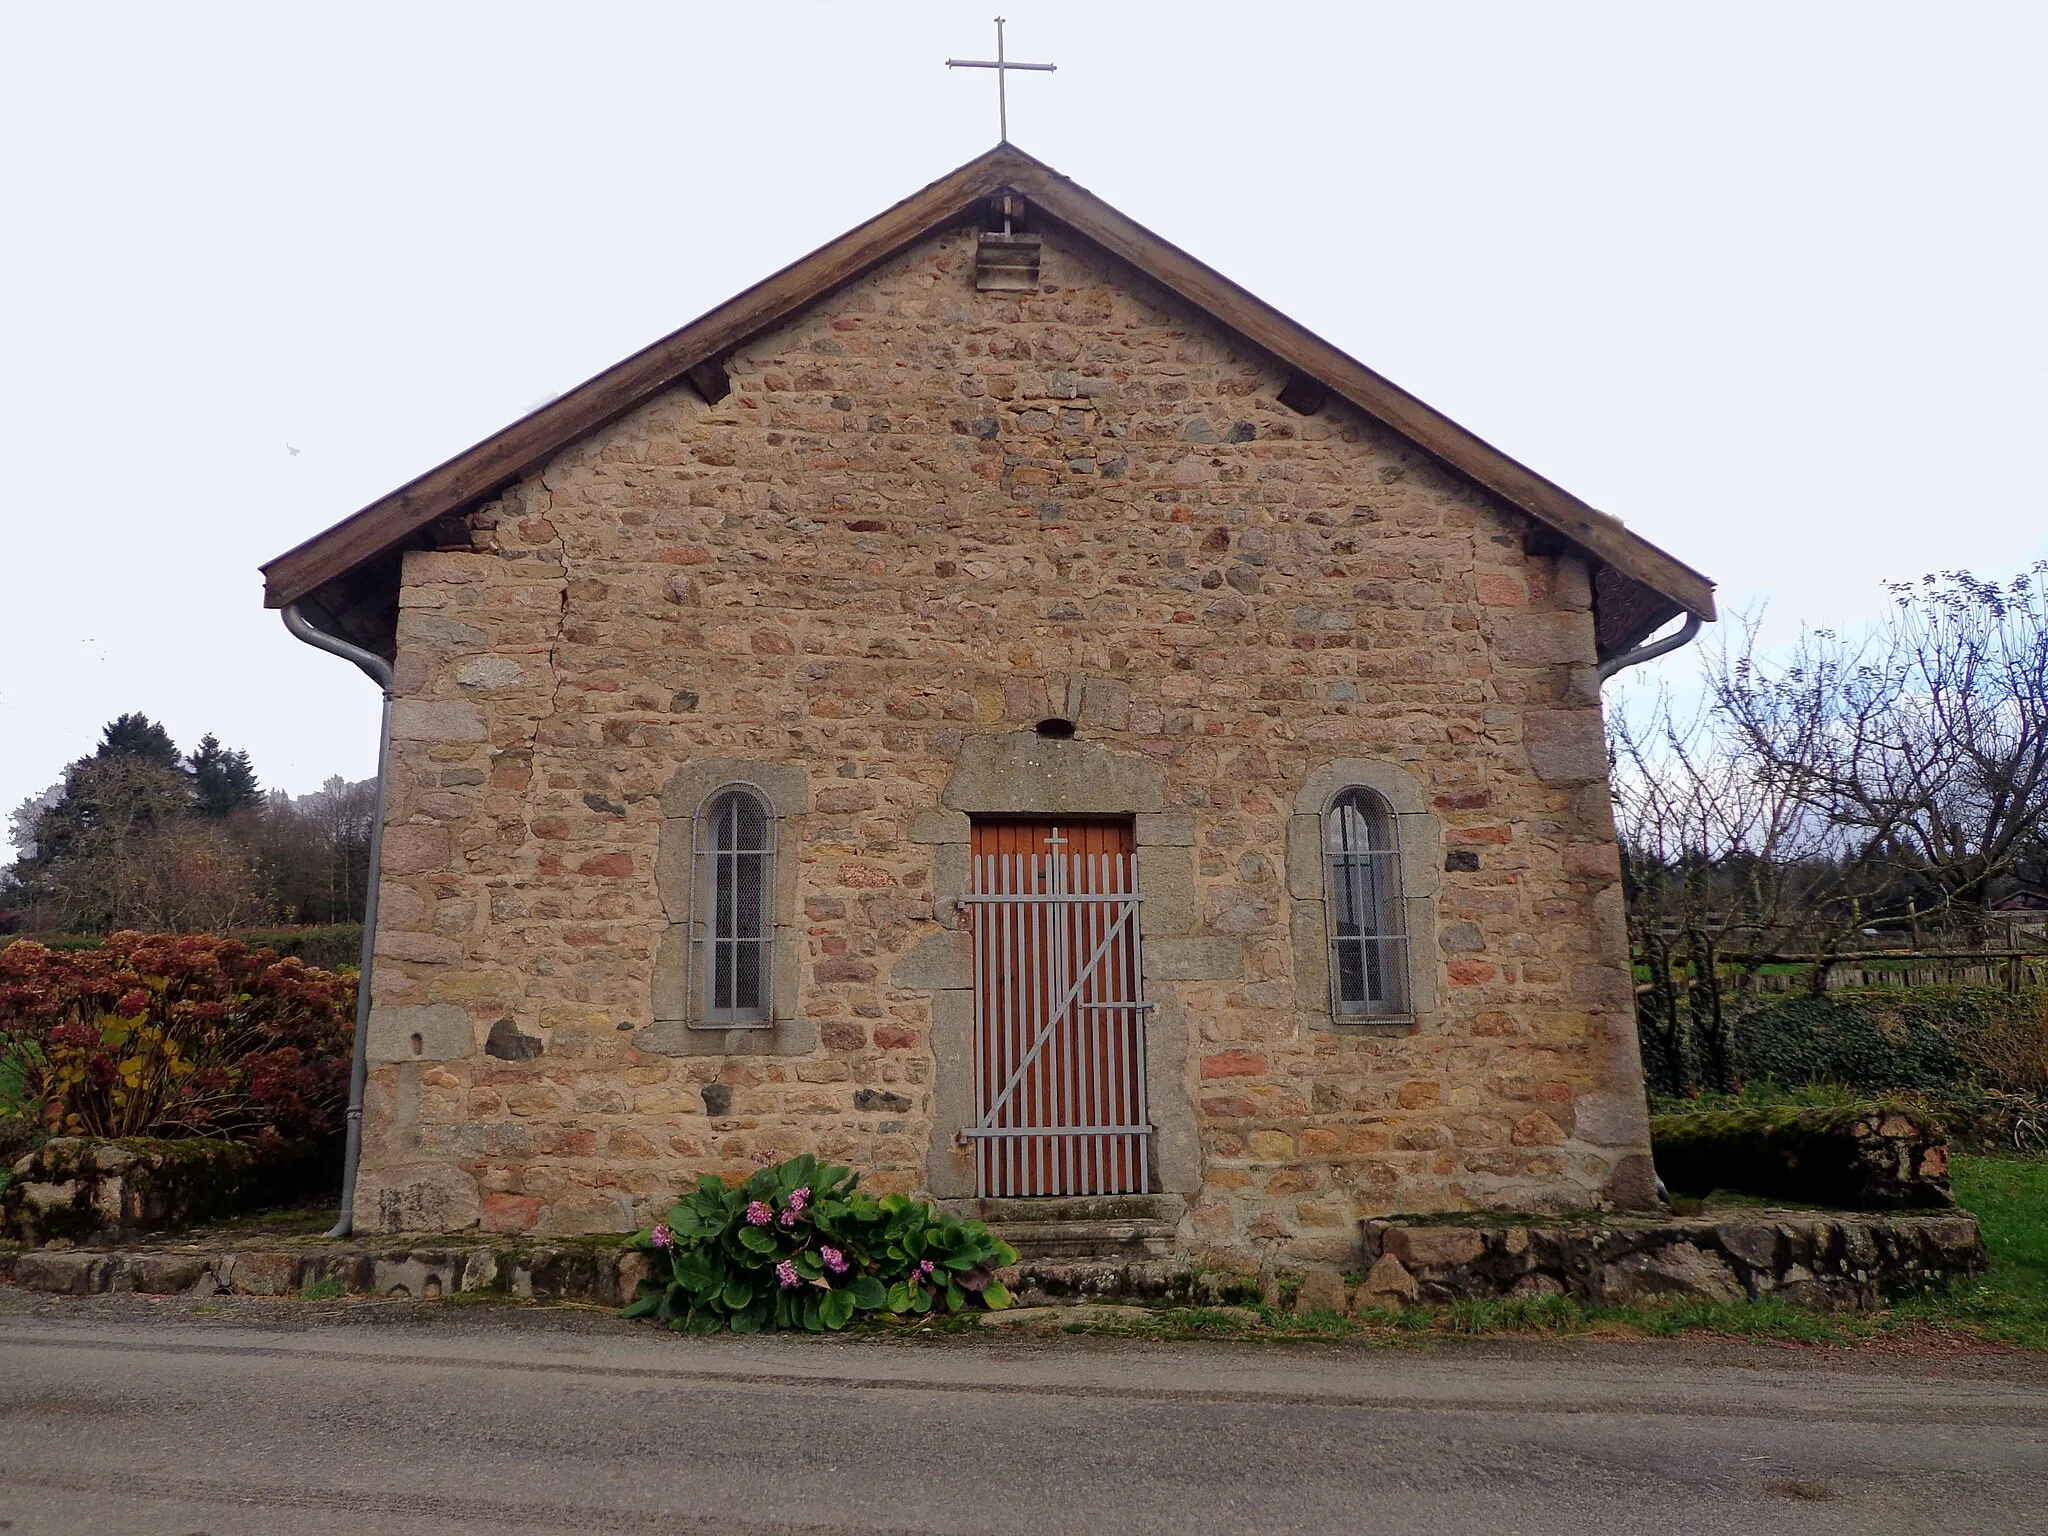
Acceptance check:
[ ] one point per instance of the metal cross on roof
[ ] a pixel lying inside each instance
(1002, 67)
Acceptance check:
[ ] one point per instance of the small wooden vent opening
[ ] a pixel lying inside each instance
(1303, 395)
(1006, 260)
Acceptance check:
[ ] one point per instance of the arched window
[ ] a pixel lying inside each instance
(1368, 933)
(732, 942)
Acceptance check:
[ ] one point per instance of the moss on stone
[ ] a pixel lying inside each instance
(1875, 1155)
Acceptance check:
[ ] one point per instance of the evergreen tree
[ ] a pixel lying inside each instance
(222, 779)
(138, 736)
(136, 835)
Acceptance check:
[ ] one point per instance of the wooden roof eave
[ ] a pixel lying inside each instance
(534, 439)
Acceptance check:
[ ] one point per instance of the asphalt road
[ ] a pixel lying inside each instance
(165, 1419)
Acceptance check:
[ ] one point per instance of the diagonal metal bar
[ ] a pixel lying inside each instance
(1063, 1010)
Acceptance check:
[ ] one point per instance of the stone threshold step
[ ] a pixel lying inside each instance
(1081, 1226)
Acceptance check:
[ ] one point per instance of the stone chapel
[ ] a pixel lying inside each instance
(997, 705)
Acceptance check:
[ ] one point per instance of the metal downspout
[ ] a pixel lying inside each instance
(1636, 657)
(359, 1067)
(1652, 651)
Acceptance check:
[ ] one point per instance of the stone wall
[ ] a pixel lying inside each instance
(924, 516)
(1804, 1258)
(82, 1189)
(1801, 1258)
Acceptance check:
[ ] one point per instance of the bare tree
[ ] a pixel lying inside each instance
(1801, 800)
(1724, 863)
(185, 877)
(179, 875)
(1925, 740)
(316, 848)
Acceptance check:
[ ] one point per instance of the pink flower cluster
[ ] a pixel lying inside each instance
(758, 1214)
(834, 1260)
(786, 1273)
(661, 1237)
(798, 1199)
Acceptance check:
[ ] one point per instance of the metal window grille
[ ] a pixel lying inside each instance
(732, 922)
(1368, 927)
(1059, 1038)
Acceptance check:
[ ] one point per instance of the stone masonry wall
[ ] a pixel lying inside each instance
(924, 514)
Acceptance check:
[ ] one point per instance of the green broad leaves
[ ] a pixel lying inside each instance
(828, 1253)
(696, 1271)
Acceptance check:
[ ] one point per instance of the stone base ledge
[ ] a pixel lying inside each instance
(1826, 1259)
(602, 1275)
(597, 1274)
(1816, 1259)
(108, 1190)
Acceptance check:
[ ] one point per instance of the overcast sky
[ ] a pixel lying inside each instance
(1765, 281)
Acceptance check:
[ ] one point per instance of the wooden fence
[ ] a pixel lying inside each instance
(2012, 969)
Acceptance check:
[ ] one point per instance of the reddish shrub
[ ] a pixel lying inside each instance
(175, 1035)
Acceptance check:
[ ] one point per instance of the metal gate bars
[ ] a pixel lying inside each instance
(1059, 1024)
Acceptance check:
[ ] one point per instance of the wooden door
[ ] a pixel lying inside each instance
(1059, 1015)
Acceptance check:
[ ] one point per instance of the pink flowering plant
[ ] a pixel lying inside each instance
(801, 1245)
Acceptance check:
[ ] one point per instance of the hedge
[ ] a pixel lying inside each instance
(1871, 1040)
(330, 947)
(173, 1035)
(1974, 1057)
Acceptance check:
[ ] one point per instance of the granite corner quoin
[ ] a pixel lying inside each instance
(917, 519)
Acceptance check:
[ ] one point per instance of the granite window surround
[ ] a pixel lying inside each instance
(1418, 841)
(679, 1028)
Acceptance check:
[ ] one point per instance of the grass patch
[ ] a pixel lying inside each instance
(1765, 1319)
(2009, 1301)
(1520, 1314)
(329, 1289)
(1210, 1319)
(482, 1297)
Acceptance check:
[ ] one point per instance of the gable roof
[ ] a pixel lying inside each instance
(1661, 586)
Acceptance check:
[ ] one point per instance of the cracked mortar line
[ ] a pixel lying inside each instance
(554, 655)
